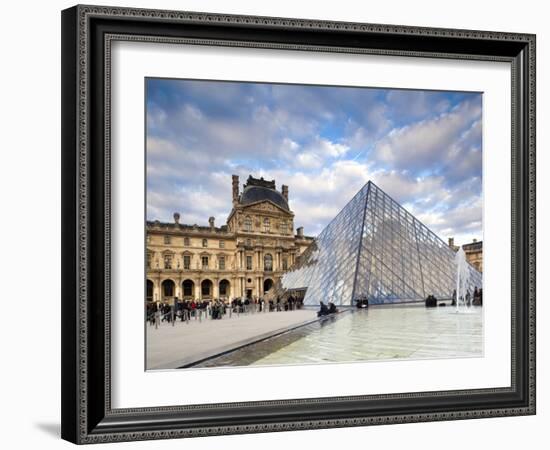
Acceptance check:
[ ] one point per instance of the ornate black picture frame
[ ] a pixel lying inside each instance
(87, 34)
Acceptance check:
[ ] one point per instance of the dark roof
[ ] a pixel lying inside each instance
(478, 245)
(254, 194)
(259, 182)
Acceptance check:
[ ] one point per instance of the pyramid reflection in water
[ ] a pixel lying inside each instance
(375, 249)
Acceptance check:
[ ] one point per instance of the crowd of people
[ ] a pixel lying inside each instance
(215, 309)
(469, 300)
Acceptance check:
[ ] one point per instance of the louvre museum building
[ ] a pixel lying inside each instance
(244, 257)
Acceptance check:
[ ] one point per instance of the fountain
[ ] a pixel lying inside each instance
(463, 283)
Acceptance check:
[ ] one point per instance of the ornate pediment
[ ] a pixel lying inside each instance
(266, 206)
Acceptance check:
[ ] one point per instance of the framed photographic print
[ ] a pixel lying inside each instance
(283, 224)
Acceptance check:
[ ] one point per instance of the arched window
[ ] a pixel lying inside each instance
(268, 262)
(206, 289)
(247, 224)
(168, 288)
(188, 288)
(224, 288)
(267, 225)
(268, 284)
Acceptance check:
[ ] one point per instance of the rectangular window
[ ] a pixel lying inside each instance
(149, 258)
(186, 262)
(249, 263)
(285, 263)
(221, 262)
(222, 244)
(186, 242)
(167, 239)
(204, 260)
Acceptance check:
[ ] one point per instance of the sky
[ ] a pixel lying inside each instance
(423, 148)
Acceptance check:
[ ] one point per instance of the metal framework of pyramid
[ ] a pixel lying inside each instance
(374, 249)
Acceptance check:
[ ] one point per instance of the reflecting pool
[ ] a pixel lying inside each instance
(377, 333)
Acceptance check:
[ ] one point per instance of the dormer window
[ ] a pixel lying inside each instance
(168, 261)
(248, 224)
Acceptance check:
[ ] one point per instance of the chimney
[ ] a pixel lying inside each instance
(211, 222)
(475, 240)
(177, 218)
(300, 231)
(235, 179)
(285, 191)
(451, 242)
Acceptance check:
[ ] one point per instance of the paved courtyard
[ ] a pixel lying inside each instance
(170, 347)
(379, 333)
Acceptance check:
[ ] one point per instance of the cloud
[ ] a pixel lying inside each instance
(422, 148)
(430, 143)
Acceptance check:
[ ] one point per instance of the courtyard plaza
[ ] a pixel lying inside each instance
(185, 343)
(299, 337)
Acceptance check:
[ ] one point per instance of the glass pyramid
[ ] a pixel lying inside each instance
(374, 249)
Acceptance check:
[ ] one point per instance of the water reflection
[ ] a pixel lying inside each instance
(410, 332)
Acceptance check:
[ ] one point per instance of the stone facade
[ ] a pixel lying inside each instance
(473, 252)
(243, 258)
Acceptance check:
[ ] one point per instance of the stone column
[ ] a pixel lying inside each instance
(178, 292)
(260, 286)
(156, 291)
(197, 293)
(215, 288)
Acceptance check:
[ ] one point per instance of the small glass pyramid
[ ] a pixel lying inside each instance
(374, 249)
